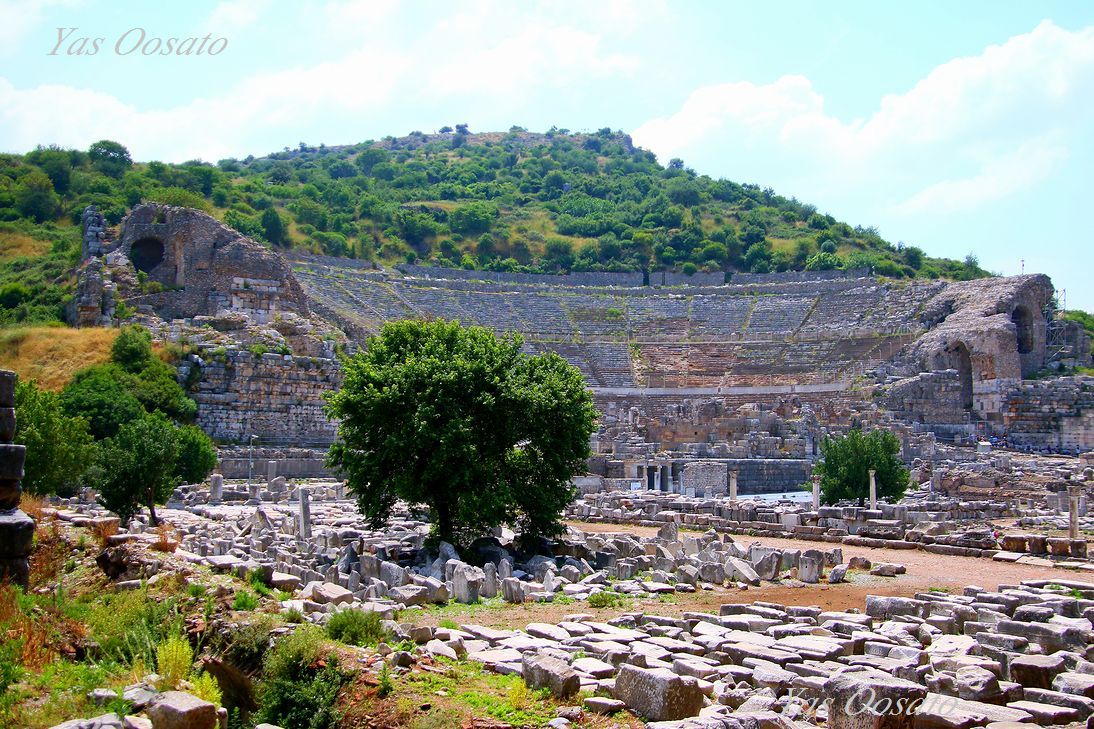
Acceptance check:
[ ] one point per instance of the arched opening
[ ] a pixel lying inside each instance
(1023, 324)
(961, 360)
(146, 254)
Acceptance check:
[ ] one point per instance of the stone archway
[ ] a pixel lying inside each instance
(146, 254)
(1023, 325)
(960, 360)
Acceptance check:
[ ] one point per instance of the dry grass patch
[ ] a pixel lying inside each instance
(51, 355)
(20, 245)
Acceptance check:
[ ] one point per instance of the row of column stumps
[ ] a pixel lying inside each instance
(16, 528)
(216, 496)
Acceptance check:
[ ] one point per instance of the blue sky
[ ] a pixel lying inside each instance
(958, 127)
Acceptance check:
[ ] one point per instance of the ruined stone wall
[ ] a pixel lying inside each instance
(1056, 415)
(278, 398)
(205, 266)
(705, 478)
(239, 461)
(931, 399)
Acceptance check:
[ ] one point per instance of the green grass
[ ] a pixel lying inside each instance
(606, 599)
(480, 692)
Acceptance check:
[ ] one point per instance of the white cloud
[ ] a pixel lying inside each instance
(481, 53)
(1030, 164)
(231, 16)
(19, 17)
(536, 56)
(203, 128)
(974, 129)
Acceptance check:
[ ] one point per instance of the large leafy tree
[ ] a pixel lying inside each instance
(59, 448)
(845, 468)
(459, 421)
(137, 466)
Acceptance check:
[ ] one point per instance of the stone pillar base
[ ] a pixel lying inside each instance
(16, 538)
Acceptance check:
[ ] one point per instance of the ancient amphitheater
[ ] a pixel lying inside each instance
(752, 372)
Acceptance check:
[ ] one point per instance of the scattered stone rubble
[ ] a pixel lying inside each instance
(1019, 654)
(154, 710)
(922, 521)
(325, 553)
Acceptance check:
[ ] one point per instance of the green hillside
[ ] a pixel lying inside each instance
(515, 201)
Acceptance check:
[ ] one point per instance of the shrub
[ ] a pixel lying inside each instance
(385, 685)
(246, 646)
(129, 626)
(356, 627)
(167, 539)
(300, 682)
(174, 659)
(132, 348)
(245, 600)
(205, 687)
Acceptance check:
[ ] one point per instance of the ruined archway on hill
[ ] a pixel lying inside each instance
(146, 254)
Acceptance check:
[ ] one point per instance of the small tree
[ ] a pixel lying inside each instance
(132, 348)
(197, 455)
(137, 466)
(461, 422)
(102, 394)
(110, 158)
(845, 469)
(35, 198)
(273, 227)
(59, 448)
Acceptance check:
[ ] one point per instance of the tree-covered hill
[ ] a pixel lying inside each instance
(515, 201)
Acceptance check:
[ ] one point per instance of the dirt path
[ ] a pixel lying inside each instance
(924, 572)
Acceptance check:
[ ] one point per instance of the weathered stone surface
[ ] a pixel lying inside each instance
(546, 671)
(658, 694)
(871, 700)
(180, 710)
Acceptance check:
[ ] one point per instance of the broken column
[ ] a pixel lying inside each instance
(1073, 510)
(873, 490)
(216, 488)
(816, 492)
(16, 528)
(304, 530)
(271, 471)
(254, 493)
(733, 485)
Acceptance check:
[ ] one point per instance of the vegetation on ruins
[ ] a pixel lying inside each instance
(505, 202)
(123, 426)
(457, 420)
(845, 468)
(301, 679)
(1087, 320)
